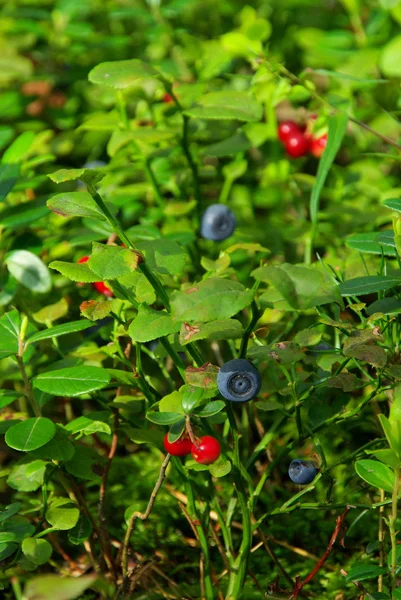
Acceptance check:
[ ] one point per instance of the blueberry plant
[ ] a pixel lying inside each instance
(200, 293)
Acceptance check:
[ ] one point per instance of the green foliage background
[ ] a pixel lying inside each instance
(312, 275)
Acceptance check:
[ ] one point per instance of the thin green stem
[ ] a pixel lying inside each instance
(185, 146)
(179, 363)
(28, 392)
(255, 314)
(145, 388)
(46, 531)
(240, 566)
(15, 584)
(111, 219)
(156, 284)
(200, 528)
(392, 527)
(156, 188)
(196, 355)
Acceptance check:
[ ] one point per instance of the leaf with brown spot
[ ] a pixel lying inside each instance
(203, 377)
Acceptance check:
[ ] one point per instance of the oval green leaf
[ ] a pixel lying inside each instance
(73, 381)
(30, 434)
(376, 474)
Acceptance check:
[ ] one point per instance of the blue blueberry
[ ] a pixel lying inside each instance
(238, 380)
(218, 223)
(302, 472)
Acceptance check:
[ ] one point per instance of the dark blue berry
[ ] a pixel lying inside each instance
(238, 380)
(218, 223)
(302, 472)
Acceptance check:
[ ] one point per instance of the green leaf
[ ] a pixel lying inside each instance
(360, 337)
(376, 474)
(393, 204)
(16, 529)
(58, 330)
(9, 174)
(392, 433)
(302, 287)
(389, 62)
(308, 337)
(81, 531)
(10, 324)
(386, 306)
(146, 135)
(347, 382)
(146, 436)
(370, 284)
(37, 551)
(30, 434)
(87, 426)
(209, 300)
(7, 397)
(374, 355)
(221, 468)
(121, 74)
(76, 272)
(176, 430)
(86, 175)
(337, 129)
(232, 145)
(27, 475)
(151, 324)
(360, 572)
(163, 256)
(10, 511)
(58, 448)
(93, 310)
(29, 270)
(76, 204)
(210, 409)
(386, 456)
(52, 312)
(163, 418)
(62, 517)
(285, 353)
(7, 550)
(85, 464)
(369, 243)
(191, 397)
(394, 371)
(43, 587)
(172, 403)
(110, 262)
(227, 104)
(19, 148)
(73, 381)
(203, 377)
(226, 329)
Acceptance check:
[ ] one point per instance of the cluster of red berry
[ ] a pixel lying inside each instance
(206, 450)
(98, 285)
(298, 141)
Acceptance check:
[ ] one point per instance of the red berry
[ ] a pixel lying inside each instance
(167, 98)
(297, 145)
(181, 447)
(318, 145)
(207, 450)
(102, 288)
(98, 285)
(286, 129)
